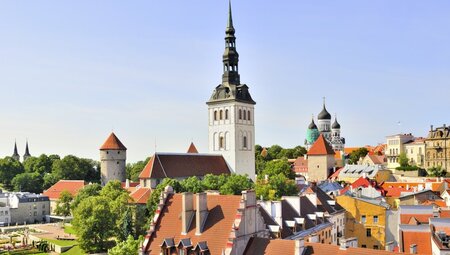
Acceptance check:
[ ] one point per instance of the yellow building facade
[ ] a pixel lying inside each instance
(366, 221)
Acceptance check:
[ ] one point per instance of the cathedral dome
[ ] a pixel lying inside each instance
(312, 125)
(312, 135)
(336, 125)
(324, 114)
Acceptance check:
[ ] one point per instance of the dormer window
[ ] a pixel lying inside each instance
(168, 246)
(184, 246)
(202, 249)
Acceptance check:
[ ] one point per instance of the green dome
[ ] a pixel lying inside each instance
(312, 135)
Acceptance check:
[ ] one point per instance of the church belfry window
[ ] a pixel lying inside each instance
(215, 115)
(221, 114)
(221, 142)
(245, 115)
(226, 114)
(240, 114)
(244, 142)
(248, 115)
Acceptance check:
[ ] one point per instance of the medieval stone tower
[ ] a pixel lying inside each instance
(231, 113)
(113, 156)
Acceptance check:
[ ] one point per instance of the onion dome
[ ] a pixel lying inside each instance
(324, 114)
(312, 125)
(336, 125)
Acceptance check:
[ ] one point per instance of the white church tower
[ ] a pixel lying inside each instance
(231, 113)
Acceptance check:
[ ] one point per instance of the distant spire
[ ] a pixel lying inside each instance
(230, 16)
(27, 152)
(16, 155)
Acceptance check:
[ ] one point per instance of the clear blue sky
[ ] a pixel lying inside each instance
(72, 71)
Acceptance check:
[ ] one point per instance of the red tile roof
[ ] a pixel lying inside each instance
(192, 149)
(141, 195)
(300, 165)
(217, 228)
(113, 143)
(363, 182)
(321, 147)
(72, 186)
(163, 165)
(421, 218)
(421, 239)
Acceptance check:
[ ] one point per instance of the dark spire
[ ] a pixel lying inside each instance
(230, 56)
(312, 125)
(27, 152)
(16, 155)
(336, 124)
(324, 114)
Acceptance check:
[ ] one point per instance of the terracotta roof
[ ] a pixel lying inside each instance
(421, 218)
(321, 147)
(419, 238)
(72, 186)
(141, 195)
(437, 203)
(192, 149)
(216, 231)
(444, 213)
(395, 191)
(163, 165)
(435, 186)
(363, 182)
(113, 143)
(336, 173)
(321, 249)
(300, 165)
(260, 246)
(376, 159)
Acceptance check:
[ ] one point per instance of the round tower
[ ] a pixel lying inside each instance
(113, 156)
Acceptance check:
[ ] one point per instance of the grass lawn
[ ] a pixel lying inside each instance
(61, 242)
(74, 251)
(68, 229)
(27, 252)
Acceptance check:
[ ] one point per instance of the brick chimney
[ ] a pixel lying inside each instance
(187, 212)
(413, 249)
(201, 212)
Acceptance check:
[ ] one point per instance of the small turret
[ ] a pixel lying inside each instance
(113, 160)
(16, 155)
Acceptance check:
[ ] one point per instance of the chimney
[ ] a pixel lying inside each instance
(299, 247)
(343, 245)
(127, 183)
(201, 212)
(390, 246)
(187, 212)
(413, 249)
(431, 127)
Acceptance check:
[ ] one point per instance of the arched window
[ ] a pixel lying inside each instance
(226, 114)
(221, 142)
(248, 115)
(240, 114)
(221, 114)
(215, 115)
(244, 142)
(245, 115)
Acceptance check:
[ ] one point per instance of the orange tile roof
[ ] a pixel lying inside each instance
(437, 202)
(435, 186)
(444, 213)
(421, 218)
(259, 246)
(421, 239)
(217, 228)
(300, 165)
(113, 143)
(72, 186)
(192, 149)
(141, 195)
(321, 147)
(321, 249)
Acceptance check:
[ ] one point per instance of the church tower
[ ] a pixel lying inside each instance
(16, 155)
(113, 156)
(231, 112)
(27, 152)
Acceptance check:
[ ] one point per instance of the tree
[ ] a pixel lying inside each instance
(90, 190)
(273, 152)
(437, 172)
(130, 246)
(214, 182)
(275, 187)
(276, 167)
(235, 184)
(127, 224)
(191, 184)
(42, 164)
(94, 224)
(28, 182)
(133, 170)
(63, 204)
(403, 160)
(153, 201)
(357, 154)
(74, 168)
(9, 168)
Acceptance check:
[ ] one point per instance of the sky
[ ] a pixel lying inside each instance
(73, 71)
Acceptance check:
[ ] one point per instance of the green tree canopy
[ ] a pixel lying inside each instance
(275, 187)
(437, 172)
(214, 182)
(91, 190)
(134, 169)
(28, 182)
(130, 246)
(9, 168)
(191, 184)
(94, 223)
(74, 168)
(276, 167)
(403, 160)
(235, 184)
(357, 154)
(63, 204)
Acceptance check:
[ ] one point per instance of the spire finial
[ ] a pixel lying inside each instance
(230, 16)
(323, 101)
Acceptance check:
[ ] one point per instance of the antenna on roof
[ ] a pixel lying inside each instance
(155, 144)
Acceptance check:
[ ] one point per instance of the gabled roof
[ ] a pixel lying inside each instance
(141, 195)
(364, 183)
(192, 149)
(113, 143)
(170, 165)
(416, 234)
(72, 186)
(222, 210)
(321, 147)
